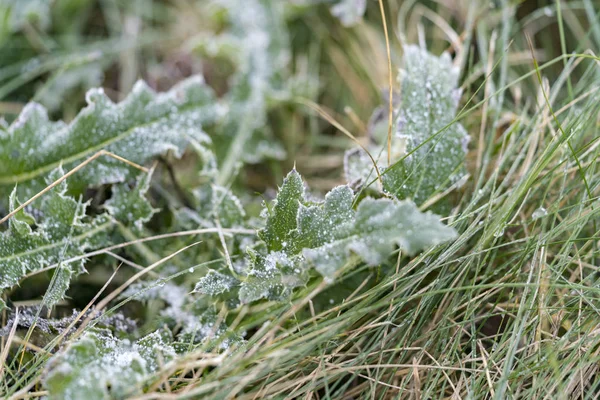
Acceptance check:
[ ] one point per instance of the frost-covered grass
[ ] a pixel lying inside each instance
(487, 287)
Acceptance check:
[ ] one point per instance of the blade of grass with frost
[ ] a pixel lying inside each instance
(140, 127)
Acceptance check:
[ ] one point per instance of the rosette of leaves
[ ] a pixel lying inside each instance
(300, 235)
(428, 146)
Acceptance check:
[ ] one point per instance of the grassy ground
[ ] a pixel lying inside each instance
(510, 309)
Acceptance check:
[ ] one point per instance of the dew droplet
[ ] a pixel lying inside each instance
(539, 213)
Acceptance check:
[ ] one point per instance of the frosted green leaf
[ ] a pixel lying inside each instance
(372, 233)
(129, 205)
(299, 235)
(21, 222)
(100, 366)
(429, 101)
(58, 286)
(282, 217)
(140, 127)
(270, 277)
(63, 231)
(214, 283)
(349, 12)
(322, 223)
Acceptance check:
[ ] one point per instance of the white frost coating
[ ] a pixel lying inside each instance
(299, 235)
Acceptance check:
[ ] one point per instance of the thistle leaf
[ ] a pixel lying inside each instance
(130, 206)
(100, 366)
(372, 233)
(428, 149)
(140, 127)
(214, 283)
(63, 231)
(430, 98)
(324, 235)
(270, 277)
(283, 217)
